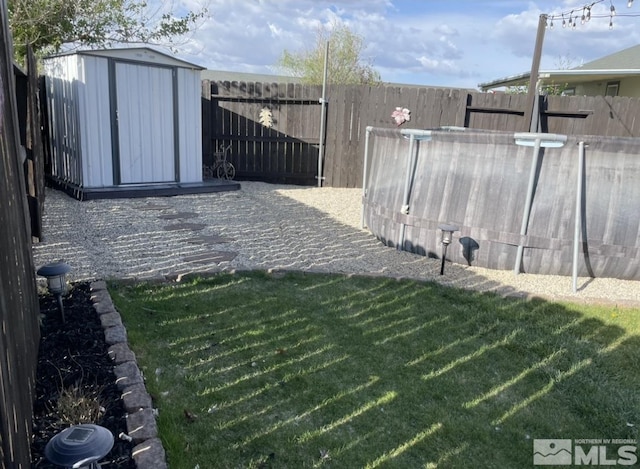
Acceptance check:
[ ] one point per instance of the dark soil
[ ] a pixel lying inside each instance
(73, 355)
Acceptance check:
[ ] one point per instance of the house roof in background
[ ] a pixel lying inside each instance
(625, 59)
(618, 65)
(221, 75)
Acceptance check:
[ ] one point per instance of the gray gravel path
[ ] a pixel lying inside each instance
(263, 226)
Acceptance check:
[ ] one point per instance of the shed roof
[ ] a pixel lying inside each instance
(136, 54)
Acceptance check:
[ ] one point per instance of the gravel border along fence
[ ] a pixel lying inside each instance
(268, 227)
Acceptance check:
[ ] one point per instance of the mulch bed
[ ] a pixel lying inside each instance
(74, 356)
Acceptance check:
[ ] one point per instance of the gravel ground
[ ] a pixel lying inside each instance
(264, 226)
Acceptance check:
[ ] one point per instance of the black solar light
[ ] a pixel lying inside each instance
(446, 237)
(79, 446)
(55, 274)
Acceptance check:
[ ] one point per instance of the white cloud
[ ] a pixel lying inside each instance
(441, 43)
(435, 65)
(275, 30)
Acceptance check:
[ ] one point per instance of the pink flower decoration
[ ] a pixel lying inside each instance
(401, 115)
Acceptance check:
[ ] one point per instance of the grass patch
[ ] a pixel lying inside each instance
(254, 371)
(79, 404)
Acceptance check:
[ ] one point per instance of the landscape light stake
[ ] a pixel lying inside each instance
(79, 446)
(55, 274)
(447, 236)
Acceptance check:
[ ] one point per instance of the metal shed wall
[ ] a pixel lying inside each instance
(62, 90)
(95, 116)
(146, 122)
(190, 128)
(87, 135)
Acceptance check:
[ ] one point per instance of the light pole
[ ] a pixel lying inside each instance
(55, 274)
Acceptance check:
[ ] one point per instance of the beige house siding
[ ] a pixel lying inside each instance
(629, 87)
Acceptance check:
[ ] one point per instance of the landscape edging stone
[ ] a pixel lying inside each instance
(141, 423)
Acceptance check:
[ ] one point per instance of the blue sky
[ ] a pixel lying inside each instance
(457, 43)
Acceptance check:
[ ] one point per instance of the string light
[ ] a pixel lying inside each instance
(570, 17)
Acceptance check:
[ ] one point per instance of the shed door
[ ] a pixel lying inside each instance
(145, 119)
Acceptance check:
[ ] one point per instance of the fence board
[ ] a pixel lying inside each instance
(281, 147)
(451, 111)
(240, 121)
(356, 141)
(310, 131)
(371, 116)
(335, 117)
(207, 120)
(34, 164)
(344, 136)
(19, 308)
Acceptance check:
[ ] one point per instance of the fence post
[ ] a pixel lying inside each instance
(323, 115)
(531, 120)
(206, 119)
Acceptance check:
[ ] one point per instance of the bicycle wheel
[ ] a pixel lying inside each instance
(226, 171)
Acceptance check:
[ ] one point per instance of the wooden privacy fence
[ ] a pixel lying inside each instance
(352, 109)
(273, 129)
(288, 151)
(19, 334)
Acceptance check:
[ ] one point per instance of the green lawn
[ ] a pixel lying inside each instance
(292, 371)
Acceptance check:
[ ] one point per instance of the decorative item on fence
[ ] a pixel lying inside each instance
(401, 115)
(266, 117)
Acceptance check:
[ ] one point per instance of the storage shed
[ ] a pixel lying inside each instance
(125, 122)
